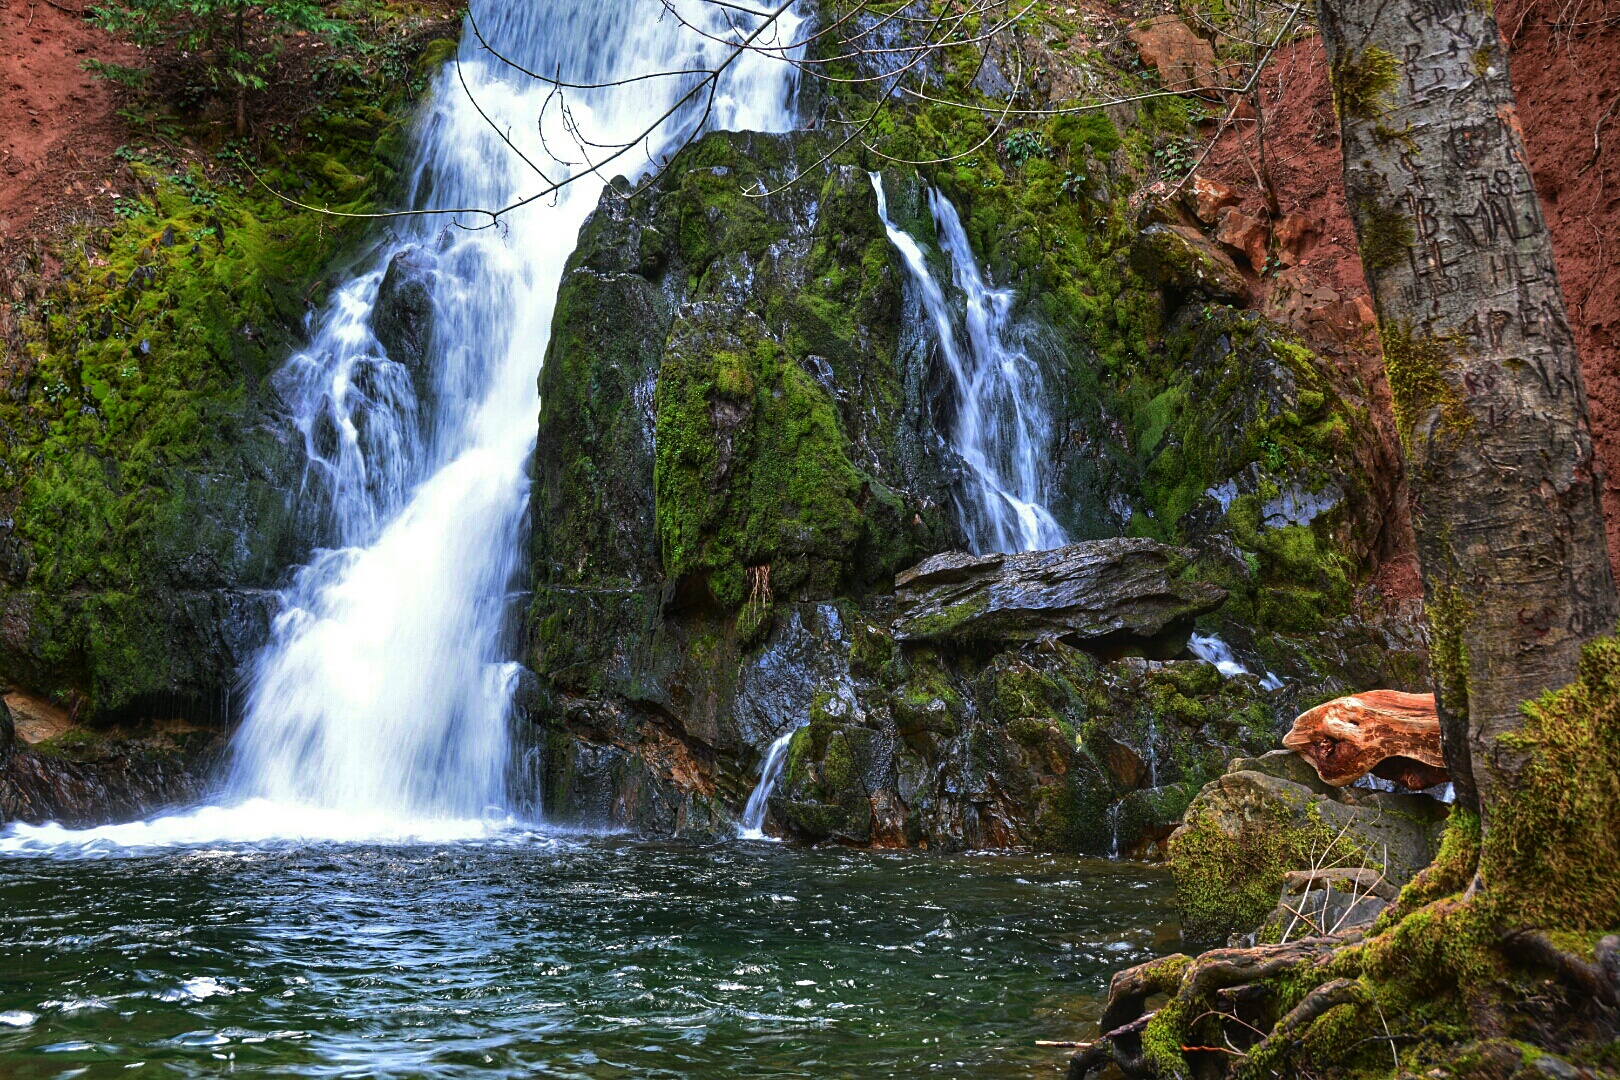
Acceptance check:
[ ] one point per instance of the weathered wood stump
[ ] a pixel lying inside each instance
(1387, 733)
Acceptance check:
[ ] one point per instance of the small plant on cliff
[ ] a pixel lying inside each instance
(1023, 144)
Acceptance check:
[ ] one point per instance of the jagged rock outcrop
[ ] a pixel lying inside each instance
(742, 490)
(402, 318)
(79, 777)
(1123, 589)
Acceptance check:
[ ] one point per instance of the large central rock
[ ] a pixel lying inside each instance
(1088, 592)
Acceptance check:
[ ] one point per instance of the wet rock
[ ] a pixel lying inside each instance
(1083, 593)
(8, 734)
(402, 318)
(1181, 258)
(85, 778)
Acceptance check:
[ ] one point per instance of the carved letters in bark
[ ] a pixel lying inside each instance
(1488, 390)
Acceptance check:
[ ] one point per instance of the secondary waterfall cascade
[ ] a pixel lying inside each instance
(1002, 432)
(380, 707)
(753, 822)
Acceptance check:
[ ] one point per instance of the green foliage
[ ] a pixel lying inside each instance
(1022, 145)
(239, 53)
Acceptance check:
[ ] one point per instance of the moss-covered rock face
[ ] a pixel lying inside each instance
(148, 483)
(735, 358)
(738, 449)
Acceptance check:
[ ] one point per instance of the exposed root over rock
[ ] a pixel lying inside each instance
(1501, 961)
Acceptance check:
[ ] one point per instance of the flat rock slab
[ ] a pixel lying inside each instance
(1087, 592)
(1386, 732)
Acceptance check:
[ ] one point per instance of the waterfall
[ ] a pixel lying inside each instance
(384, 689)
(1212, 649)
(753, 822)
(1001, 430)
(380, 706)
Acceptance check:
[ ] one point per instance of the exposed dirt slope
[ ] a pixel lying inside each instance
(58, 125)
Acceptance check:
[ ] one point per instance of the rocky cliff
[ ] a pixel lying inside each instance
(741, 447)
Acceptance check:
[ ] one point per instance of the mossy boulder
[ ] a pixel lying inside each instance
(1247, 829)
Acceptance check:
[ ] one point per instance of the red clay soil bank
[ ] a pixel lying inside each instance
(1566, 75)
(1302, 151)
(58, 125)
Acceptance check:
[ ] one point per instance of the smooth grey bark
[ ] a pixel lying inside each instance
(1487, 386)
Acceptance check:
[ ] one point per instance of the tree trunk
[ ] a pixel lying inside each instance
(1487, 388)
(241, 87)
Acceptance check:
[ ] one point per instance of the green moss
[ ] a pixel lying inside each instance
(1416, 368)
(784, 488)
(1453, 868)
(1227, 884)
(136, 464)
(1434, 978)
(1552, 842)
(1448, 612)
(1384, 235)
(1362, 84)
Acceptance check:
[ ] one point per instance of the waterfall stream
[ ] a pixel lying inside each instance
(380, 706)
(753, 822)
(1001, 430)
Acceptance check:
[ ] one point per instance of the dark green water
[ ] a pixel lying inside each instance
(561, 957)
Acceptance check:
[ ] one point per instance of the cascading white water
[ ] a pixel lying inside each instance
(379, 709)
(1001, 431)
(753, 822)
(1209, 648)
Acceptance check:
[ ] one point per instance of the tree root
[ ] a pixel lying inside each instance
(1232, 973)
(1597, 980)
(1318, 1001)
(1121, 1046)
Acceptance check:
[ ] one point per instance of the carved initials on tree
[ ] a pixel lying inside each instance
(1481, 361)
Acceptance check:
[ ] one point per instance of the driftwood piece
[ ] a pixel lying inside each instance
(1384, 732)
